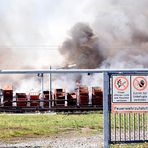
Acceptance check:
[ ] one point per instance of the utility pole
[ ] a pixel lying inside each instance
(50, 90)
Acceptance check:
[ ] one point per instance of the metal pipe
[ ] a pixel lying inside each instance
(50, 89)
(90, 96)
(42, 88)
(78, 96)
(106, 110)
(42, 84)
(120, 126)
(115, 125)
(143, 126)
(146, 123)
(134, 128)
(111, 71)
(129, 126)
(124, 118)
(139, 126)
(65, 103)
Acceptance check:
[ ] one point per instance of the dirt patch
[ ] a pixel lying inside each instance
(64, 140)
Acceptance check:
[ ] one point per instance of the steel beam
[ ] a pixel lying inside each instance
(106, 109)
(44, 71)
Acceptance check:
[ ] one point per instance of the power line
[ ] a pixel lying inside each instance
(27, 47)
(48, 45)
(53, 47)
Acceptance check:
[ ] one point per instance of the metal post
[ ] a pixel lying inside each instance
(66, 98)
(78, 96)
(115, 125)
(120, 126)
(124, 126)
(143, 125)
(42, 85)
(129, 126)
(138, 126)
(42, 89)
(41, 76)
(134, 127)
(90, 96)
(50, 89)
(106, 109)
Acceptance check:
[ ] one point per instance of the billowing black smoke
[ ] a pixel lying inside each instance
(82, 48)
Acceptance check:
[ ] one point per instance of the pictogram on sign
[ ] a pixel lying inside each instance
(140, 83)
(121, 88)
(121, 83)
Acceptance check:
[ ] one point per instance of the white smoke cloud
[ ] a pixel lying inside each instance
(121, 28)
(29, 26)
(32, 30)
(31, 33)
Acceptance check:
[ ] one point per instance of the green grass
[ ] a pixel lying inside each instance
(46, 124)
(15, 125)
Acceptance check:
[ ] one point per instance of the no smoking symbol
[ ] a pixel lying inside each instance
(140, 83)
(121, 83)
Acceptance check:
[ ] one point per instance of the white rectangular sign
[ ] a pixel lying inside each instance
(139, 89)
(121, 88)
(129, 107)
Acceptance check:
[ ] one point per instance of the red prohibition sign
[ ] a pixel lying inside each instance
(121, 83)
(140, 83)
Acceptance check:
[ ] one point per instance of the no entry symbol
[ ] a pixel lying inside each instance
(140, 83)
(121, 83)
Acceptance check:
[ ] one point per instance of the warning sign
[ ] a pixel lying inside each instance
(140, 83)
(121, 88)
(121, 83)
(129, 107)
(139, 88)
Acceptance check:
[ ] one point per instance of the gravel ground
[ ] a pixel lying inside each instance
(62, 141)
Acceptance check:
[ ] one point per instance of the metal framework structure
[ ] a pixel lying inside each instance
(58, 71)
(129, 127)
(106, 92)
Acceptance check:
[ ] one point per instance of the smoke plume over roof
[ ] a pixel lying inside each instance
(117, 38)
(82, 48)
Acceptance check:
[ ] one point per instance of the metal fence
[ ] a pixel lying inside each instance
(118, 127)
(122, 127)
(129, 127)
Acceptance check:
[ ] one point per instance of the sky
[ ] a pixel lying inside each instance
(33, 29)
(38, 22)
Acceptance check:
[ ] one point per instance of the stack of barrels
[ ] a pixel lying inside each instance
(59, 96)
(72, 99)
(8, 95)
(21, 99)
(34, 99)
(97, 96)
(83, 95)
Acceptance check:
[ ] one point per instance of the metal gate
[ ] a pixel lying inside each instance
(118, 127)
(127, 126)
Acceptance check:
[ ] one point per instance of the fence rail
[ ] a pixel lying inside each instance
(129, 127)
